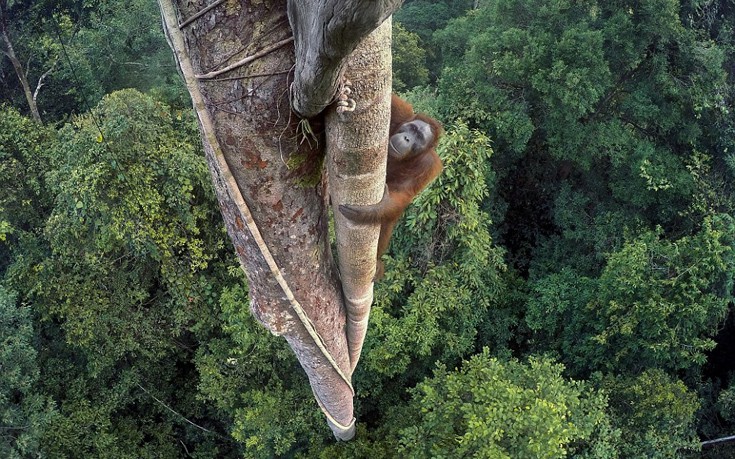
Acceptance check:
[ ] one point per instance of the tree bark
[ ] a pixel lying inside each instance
(17, 66)
(326, 32)
(250, 138)
(236, 58)
(357, 146)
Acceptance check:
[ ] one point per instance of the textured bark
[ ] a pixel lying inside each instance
(357, 146)
(248, 129)
(236, 58)
(326, 32)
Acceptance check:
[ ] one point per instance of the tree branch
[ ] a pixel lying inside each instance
(326, 32)
(718, 441)
(10, 53)
(174, 411)
(40, 80)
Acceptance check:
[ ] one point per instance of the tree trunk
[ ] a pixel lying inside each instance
(357, 146)
(236, 58)
(250, 138)
(10, 52)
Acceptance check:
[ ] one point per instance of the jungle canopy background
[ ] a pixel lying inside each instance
(564, 289)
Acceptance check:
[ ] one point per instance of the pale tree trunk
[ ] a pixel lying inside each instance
(17, 66)
(357, 146)
(236, 58)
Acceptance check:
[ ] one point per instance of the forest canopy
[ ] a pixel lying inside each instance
(563, 289)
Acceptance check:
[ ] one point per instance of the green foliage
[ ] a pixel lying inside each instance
(257, 379)
(424, 100)
(277, 422)
(125, 278)
(726, 404)
(447, 216)
(656, 303)
(716, 416)
(23, 162)
(612, 128)
(424, 18)
(124, 51)
(23, 412)
(507, 410)
(42, 33)
(409, 60)
(128, 188)
(88, 49)
(654, 413)
(595, 85)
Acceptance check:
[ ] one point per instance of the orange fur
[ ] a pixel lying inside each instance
(405, 178)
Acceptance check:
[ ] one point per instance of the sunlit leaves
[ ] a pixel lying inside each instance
(507, 410)
(130, 231)
(23, 162)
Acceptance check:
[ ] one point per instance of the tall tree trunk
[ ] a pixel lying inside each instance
(10, 52)
(236, 59)
(250, 139)
(357, 146)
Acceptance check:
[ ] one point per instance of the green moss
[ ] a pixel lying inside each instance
(312, 174)
(309, 164)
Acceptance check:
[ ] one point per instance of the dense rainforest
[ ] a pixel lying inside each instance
(563, 289)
